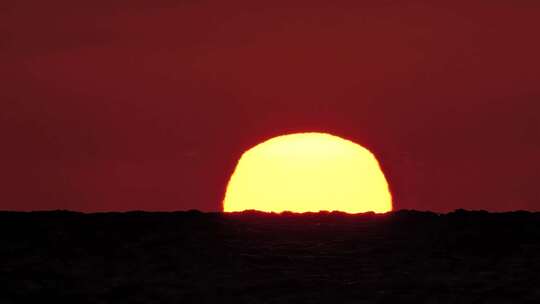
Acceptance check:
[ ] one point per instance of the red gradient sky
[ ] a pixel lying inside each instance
(123, 105)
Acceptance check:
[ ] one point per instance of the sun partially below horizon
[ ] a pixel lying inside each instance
(308, 172)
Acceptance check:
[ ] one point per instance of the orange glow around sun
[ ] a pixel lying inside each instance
(308, 172)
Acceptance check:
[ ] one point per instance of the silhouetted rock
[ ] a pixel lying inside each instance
(405, 256)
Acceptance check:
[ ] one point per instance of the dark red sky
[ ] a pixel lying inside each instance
(120, 105)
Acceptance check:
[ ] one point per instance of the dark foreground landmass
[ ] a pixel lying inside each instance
(193, 257)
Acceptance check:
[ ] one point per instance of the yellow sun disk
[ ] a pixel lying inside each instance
(308, 172)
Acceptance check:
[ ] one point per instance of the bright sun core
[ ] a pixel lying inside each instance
(308, 172)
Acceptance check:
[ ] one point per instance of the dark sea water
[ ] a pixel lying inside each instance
(251, 257)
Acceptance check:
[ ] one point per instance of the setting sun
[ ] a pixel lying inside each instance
(308, 172)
